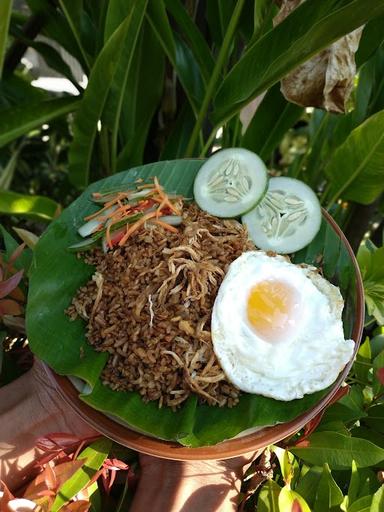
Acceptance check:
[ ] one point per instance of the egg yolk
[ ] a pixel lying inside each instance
(272, 308)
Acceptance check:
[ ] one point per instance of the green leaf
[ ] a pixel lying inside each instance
(19, 120)
(177, 142)
(371, 263)
(5, 16)
(17, 90)
(328, 495)
(8, 171)
(286, 461)
(118, 89)
(378, 374)
(307, 485)
(95, 96)
(378, 501)
(371, 39)
(193, 36)
(288, 499)
(95, 455)
(377, 344)
(362, 364)
(268, 499)
(57, 274)
(307, 30)
(263, 14)
(36, 207)
(57, 28)
(354, 484)
(10, 244)
(74, 12)
(370, 434)
(375, 418)
(54, 60)
(361, 505)
(356, 169)
(144, 90)
(178, 53)
(273, 117)
(338, 451)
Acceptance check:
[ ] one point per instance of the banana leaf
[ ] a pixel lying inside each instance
(56, 274)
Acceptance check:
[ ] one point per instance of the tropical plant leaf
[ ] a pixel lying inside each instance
(36, 207)
(307, 30)
(19, 120)
(361, 505)
(328, 494)
(338, 451)
(378, 500)
(308, 484)
(371, 39)
(356, 169)
(57, 28)
(194, 37)
(178, 139)
(11, 245)
(5, 16)
(178, 53)
(6, 175)
(95, 96)
(76, 15)
(371, 263)
(192, 424)
(128, 89)
(54, 60)
(94, 456)
(292, 501)
(268, 499)
(273, 117)
(143, 92)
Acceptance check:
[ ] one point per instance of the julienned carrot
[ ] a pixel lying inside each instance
(135, 226)
(119, 209)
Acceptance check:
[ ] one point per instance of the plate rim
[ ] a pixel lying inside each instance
(232, 447)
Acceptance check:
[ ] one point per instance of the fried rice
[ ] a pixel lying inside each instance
(149, 306)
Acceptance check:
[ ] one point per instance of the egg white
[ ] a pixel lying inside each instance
(307, 358)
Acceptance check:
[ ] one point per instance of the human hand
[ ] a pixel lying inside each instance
(30, 407)
(190, 485)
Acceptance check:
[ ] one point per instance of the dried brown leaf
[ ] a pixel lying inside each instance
(326, 80)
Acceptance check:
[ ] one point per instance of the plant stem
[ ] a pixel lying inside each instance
(211, 138)
(221, 59)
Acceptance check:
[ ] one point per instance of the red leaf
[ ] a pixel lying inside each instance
(296, 507)
(16, 253)
(10, 284)
(43, 482)
(115, 464)
(61, 441)
(7, 496)
(9, 307)
(380, 376)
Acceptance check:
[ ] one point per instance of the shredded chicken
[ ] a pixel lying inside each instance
(149, 306)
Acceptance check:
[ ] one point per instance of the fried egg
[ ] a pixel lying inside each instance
(277, 329)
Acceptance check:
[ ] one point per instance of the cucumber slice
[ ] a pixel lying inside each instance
(230, 183)
(287, 219)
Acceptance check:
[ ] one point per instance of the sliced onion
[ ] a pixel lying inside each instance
(172, 220)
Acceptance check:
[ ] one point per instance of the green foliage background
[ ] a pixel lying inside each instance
(163, 76)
